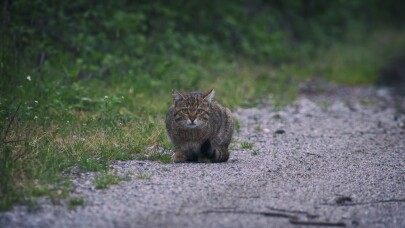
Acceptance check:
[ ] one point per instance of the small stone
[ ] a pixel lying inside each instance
(343, 200)
(279, 131)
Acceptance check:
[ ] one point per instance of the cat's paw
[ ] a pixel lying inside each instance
(203, 159)
(179, 157)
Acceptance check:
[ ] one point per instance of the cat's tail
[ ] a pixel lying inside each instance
(221, 155)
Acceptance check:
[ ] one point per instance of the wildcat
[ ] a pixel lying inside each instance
(199, 128)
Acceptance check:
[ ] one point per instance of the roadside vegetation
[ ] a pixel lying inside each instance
(85, 84)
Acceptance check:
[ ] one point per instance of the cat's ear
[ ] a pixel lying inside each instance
(177, 96)
(209, 96)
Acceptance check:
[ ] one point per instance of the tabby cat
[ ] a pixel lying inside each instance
(199, 128)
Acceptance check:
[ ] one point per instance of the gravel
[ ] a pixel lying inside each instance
(334, 158)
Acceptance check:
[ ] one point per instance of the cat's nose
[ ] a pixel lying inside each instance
(192, 120)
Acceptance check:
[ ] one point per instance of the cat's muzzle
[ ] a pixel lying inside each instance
(192, 123)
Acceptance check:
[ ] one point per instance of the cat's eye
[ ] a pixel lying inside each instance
(184, 111)
(199, 111)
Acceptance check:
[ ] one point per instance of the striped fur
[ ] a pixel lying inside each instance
(199, 128)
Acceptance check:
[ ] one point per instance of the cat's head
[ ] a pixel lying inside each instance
(193, 109)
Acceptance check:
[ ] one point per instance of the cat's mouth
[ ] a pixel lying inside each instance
(192, 124)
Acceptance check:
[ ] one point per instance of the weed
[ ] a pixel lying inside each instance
(75, 202)
(165, 169)
(164, 158)
(143, 176)
(255, 152)
(91, 164)
(8, 194)
(40, 191)
(32, 204)
(232, 145)
(161, 157)
(105, 179)
(237, 124)
(258, 128)
(278, 117)
(324, 105)
(246, 145)
(367, 102)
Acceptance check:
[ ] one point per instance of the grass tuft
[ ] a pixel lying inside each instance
(236, 124)
(105, 179)
(75, 202)
(246, 145)
(143, 176)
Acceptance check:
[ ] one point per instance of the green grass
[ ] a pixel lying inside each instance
(246, 145)
(54, 122)
(258, 127)
(277, 117)
(105, 179)
(236, 123)
(75, 202)
(359, 62)
(163, 158)
(143, 176)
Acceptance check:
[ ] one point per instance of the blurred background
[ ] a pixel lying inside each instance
(84, 83)
(150, 47)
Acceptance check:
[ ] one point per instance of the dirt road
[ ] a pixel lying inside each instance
(330, 159)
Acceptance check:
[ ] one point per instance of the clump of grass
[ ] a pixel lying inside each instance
(105, 179)
(58, 190)
(366, 102)
(324, 105)
(258, 128)
(39, 191)
(236, 124)
(8, 191)
(278, 117)
(162, 157)
(75, 202)
(246, 145)
(143, 176)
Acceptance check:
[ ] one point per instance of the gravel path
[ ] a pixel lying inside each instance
(331, 159)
